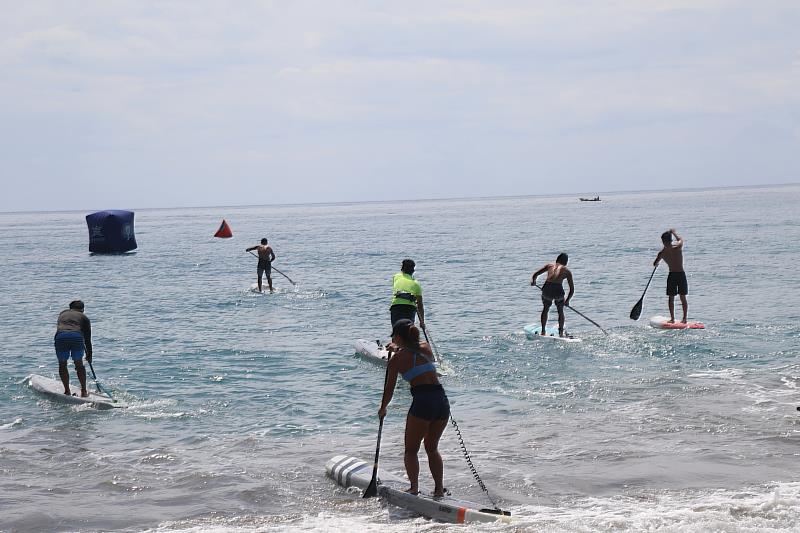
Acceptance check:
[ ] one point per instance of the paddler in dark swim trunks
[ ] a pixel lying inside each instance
(672, 254)
(430, 410)
(553, 291)
(406, 295)
(265, 258)
(73, 337)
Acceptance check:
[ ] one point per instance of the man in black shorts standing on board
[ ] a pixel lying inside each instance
(265, 258)
(672, 254)
(553, 291)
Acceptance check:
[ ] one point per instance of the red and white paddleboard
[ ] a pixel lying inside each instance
(662, 322)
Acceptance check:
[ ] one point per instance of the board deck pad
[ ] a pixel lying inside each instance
(551, 333)
(54, 390)
(662, 322)
(353, 472)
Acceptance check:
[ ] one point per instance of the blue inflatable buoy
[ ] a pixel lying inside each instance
(111, 232)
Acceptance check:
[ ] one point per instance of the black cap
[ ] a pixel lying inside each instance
(402, 326)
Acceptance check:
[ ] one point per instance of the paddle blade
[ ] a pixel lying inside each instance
(636, 312)
(372, 489)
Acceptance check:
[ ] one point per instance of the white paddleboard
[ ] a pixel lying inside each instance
(264, 289)
(532, 331)
(54, 390)
(377, 353)
(352, 472)
(372, 351)
(662, 322)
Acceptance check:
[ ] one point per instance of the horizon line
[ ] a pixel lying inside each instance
(431, 199)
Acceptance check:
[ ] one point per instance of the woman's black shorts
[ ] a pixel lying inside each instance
(430, 403)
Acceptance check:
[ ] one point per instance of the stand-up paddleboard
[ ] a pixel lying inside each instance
(377, 353)
(662, 322)
(532, 331)
(264, 289)
(54, 390)
(352, 472)
(372, 351)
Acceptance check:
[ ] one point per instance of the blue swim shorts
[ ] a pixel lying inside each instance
(69, 343)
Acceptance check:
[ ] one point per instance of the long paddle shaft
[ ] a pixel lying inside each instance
(284, 275)
(433, 348)
(97, 383)
(636, 312)
(278, 271)
(589, 319)
(581, 314)
(372, 488)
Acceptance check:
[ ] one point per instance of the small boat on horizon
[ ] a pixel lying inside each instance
(595, 199)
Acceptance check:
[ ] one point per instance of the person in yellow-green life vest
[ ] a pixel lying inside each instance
(406, 295)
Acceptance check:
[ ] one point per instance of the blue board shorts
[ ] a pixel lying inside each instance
(430, 403)
(69, 344)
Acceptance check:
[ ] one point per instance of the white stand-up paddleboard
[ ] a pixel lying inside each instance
(532, 331)
(372, 351)
(377, 353)
(352, 472)
(662, 322)
(54, 390)
(264, 289)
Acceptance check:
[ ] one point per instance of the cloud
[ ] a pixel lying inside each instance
(186, 91)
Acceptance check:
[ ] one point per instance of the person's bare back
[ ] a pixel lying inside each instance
(265, 251)
(556, 273)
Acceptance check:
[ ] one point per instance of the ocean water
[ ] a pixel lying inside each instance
(237, 400)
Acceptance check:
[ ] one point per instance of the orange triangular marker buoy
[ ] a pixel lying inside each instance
(224, 231)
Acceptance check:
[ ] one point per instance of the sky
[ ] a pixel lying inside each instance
(118, 104)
